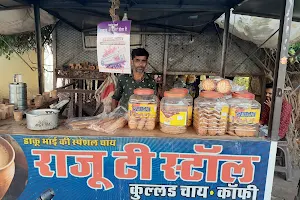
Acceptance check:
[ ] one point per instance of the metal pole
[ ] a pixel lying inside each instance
(253, 53)
(225, 41)
(143, 40)
(54, 47)
(280, 67)
(263, 82)
(166, 49)
(38, 36)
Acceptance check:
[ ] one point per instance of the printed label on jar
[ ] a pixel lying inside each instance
(224, 112)
(244, 116)
(143, 110)
(173, 119)
(190, 115)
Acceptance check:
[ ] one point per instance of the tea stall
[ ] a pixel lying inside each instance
(103, 157)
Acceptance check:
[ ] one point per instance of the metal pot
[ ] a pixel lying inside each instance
(42, 119)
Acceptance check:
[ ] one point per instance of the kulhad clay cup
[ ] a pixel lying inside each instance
(46, 96)
(2, 114)
(18, 115)
(11, 109)
(7, 170)
(53, 94)
(5, 101)
(29, 102)
(39, 100)
(6, 110)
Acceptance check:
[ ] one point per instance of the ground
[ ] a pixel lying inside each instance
(284, 190)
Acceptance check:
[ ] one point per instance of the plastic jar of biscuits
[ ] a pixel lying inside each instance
(173, 113)
(210, 114)
(244, 115)
(189, 100)
(142, 109)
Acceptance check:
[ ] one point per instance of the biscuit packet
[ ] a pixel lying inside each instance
(79, 123)
(110, 124)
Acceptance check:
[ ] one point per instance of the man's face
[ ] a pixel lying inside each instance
(269, 92)
(139, 64)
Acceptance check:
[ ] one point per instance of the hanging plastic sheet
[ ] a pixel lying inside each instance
(258, 29)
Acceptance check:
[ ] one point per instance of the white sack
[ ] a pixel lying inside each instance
(258, 29)
(21, 20)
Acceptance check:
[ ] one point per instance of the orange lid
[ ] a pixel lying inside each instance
(143, 91)
(211, 94)
(174, 94)
(180, 90)
(243, 95)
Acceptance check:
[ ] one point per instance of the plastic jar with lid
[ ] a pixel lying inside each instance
(210, 114)
(173, 113)
(244, 115)
(189, 99)
(142, 109)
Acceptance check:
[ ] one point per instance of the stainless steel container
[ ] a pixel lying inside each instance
(18, 95)
(42, 119)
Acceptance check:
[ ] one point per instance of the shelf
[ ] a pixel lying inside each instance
(81, 78)
(77, 91)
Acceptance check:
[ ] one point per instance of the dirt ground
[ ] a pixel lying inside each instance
(284, 190)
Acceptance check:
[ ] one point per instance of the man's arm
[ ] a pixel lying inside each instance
(114, 104)
(285, 118)
(264, 115)
(117, 95)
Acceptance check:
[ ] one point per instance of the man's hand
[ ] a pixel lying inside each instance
(114, 104)
(268, 103)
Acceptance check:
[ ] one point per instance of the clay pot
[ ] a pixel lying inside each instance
(20, 159)
(6, 112)
(46, 96)
(2, 114)
(11, 109)
(29, 102)
(18, 116)
(2, 106)
(5, 101)
(38, 100)
(53, 94)
(7, 166)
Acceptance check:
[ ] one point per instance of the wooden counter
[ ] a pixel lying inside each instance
(19, 128)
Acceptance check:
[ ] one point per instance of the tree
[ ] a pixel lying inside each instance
(294, 53)
(23, 42)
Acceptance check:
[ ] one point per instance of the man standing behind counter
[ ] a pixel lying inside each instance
(138, 79)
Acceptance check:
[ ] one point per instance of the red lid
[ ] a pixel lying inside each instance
(243, 95)
(174, 94)
(143, 91)
(180, 90)
(211, 94)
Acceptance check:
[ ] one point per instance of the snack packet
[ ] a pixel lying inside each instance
(110, 124)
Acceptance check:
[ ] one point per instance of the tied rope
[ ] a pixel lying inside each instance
(115, 5)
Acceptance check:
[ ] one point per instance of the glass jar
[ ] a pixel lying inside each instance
(189, 100)
(142, 109)
(210, 114)
(173, 113)
(244, 115)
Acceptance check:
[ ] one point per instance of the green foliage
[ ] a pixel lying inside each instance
(23, 42)
(294, 53)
